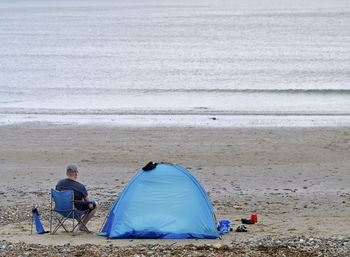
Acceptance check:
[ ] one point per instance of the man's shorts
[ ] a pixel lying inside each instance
(85, 206)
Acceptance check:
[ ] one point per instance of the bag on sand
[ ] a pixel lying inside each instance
(36, 219)
(224, 226)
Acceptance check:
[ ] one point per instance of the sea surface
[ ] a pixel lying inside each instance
(197, 63)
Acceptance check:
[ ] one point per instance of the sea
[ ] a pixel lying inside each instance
(237, 63)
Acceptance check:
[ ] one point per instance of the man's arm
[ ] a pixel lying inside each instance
(84, 193)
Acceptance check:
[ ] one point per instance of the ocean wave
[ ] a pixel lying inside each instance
(193, 111)
(338, 91)
(253, 91)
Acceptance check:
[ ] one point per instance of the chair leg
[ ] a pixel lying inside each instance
(73, 225)
(51, 223)
(55, 229)
(31, 229)
(64, 227)
(80, 223)
(61, 222)
(51, 215)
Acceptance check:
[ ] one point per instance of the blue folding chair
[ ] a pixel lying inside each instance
(65, 208)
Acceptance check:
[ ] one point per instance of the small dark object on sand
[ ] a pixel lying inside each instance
(247, 221)
(241, 228)
(150, 166)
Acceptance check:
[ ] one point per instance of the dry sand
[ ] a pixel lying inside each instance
(296, 179)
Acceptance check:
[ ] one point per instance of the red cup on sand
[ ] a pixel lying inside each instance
(254, 218)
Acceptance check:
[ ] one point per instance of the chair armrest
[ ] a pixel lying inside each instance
(63, 210)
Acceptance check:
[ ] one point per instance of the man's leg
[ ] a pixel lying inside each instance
(86, 219)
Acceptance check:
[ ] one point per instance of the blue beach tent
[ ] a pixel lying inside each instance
(165, 202)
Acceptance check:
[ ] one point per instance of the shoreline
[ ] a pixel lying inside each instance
(166, 112)
(178, 120)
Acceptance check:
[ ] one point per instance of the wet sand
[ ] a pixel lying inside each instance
(295, 179)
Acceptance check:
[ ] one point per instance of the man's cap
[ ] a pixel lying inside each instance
(72, 167)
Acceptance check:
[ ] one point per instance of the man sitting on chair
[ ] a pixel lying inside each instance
(80, 194)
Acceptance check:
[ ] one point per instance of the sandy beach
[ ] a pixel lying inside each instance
(295, 179)
(252, 97)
